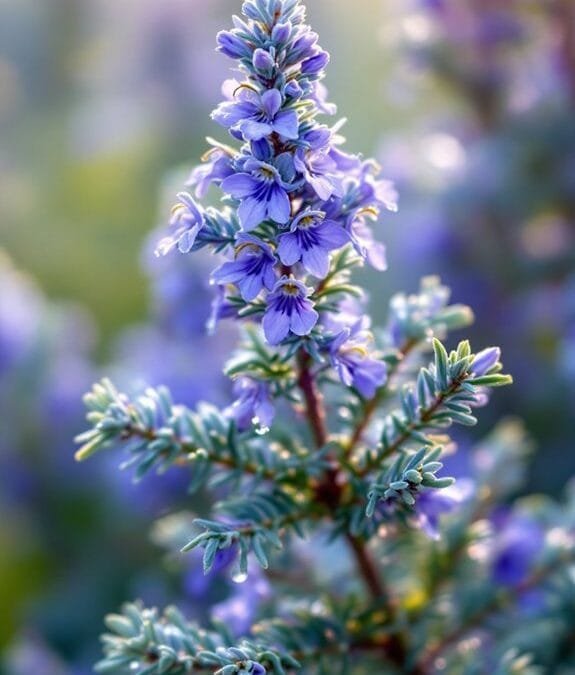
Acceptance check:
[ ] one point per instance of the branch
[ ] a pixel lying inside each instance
(498, 603)
(370, 407)
(313, 400)
(330, 493)
(158, 434)
(260, 521)
(444, 394)
(142, 642)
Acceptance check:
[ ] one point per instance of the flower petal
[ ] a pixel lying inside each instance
(240, 185)
(288, 249)
(250, 286)
(287, 124)
(316, 261)
(279, 207)
(271, 102)
(251, 213)
(276, 326)
(375, 254)
(255, 131)
(269, 278)
(322, 186)
(303, 319)
(227, 273)
(331, 235)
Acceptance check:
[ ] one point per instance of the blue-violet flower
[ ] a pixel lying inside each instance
(310, 240)
(252, 270)
(186, 222)
(289, 309)
(262, 190)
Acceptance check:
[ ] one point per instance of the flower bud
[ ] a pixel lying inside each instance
(231, 45)
(281, 33)
(263, 62)
(485, 360)
(315, 64)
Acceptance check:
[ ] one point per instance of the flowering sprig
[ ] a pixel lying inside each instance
(299, 199)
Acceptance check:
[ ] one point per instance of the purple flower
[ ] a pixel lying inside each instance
(485, 361)
(263, 62)
(302, 48)
(517, 544)
(233, 46)
(431, 504)
(318, 169)
(363, 195)
(20, 316)
(351, 359)
(262, 189)
(315, 64)
(252, 269)
(186, 222)
(253, 116)
(216, 168)
(239, 610)
(310, 240)
(319, 97)
(368, 248)
(222, 308)
(196, 584)
(253, 404)
(289, 309)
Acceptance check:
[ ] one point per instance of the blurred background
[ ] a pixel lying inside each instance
(469, 105)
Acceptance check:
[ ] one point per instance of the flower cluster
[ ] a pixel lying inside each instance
(296, 199)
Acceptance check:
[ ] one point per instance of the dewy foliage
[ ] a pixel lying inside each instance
(337, 433)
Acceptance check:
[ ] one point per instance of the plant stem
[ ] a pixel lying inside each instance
(314, 405)
(369, 571)
(329, 492)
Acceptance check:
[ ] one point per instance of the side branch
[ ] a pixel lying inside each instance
(498, 603)
(370, 407)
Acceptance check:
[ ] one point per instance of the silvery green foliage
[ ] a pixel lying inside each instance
(149, 643)
(334, 434)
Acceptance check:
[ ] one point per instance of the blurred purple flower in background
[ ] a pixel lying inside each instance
(518, 542)
(253, 404)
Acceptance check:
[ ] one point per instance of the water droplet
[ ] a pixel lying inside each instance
(239, 577)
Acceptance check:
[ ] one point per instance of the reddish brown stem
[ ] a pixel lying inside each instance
(314, 407)
(329, 492)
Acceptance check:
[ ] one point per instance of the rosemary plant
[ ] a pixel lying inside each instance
(328, 467)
